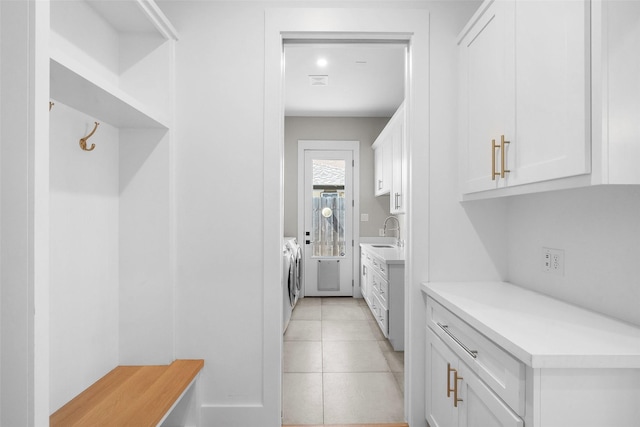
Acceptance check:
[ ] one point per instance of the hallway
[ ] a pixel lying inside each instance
(337, 366)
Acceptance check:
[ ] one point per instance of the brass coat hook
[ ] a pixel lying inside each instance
(83, 141)
(51, 104)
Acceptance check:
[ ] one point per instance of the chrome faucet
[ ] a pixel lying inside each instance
(398, 242)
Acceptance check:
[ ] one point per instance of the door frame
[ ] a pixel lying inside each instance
(344, 24)
(326, 145)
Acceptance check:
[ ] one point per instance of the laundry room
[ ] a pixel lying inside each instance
(183, 244)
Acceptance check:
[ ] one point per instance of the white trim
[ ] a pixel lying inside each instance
(354, 147)
(357, 24)
(158, 18)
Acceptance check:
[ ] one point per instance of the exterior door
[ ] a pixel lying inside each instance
(328, 222)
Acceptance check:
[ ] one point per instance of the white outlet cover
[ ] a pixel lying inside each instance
(364, 217)
(553, 261)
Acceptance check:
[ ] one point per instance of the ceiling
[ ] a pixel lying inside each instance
(363, 80)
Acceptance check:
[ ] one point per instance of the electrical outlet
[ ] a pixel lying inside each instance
(381, 232)
(364, 217)
(553, 261)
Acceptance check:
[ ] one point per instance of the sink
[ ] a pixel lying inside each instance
(383, 246)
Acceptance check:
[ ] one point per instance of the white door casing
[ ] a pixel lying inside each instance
(411, 25)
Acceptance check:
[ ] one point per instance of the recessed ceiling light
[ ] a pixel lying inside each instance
(321, 62)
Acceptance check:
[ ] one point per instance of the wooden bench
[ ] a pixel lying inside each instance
(130, 396)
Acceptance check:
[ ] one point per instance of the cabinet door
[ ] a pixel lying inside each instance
(486, 95)
(382, 168)
(363, 276)
(552, 63)
(397, 169)
(440, 411)
(480, 407)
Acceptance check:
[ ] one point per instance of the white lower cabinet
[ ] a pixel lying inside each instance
(455, 394)
(382, 287)
(498, 355)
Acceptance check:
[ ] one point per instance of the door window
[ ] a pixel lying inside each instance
(328, 211)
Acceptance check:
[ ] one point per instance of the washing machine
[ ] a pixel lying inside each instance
(291, 278)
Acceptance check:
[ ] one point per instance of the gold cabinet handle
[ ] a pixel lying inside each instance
(493, 160)
(502, 157)
(456, 378)
(449, 370)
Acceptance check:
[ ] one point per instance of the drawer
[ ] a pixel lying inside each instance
(381, 314)
(503, 373)
(379, 266)
(383, 292)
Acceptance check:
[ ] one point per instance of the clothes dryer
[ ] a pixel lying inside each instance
(291, 259)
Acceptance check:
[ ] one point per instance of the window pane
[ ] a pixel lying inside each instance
(328, 213)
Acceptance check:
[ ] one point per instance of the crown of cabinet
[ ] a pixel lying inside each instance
(113, 60)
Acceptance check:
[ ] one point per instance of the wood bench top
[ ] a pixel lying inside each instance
(129, 396)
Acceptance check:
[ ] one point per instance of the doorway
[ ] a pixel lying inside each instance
(326, 211)
(353, 359)
(412, 26)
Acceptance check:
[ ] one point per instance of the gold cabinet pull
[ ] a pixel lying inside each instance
(502, 157)
(449, 370)
(456, 378)
(493, 160)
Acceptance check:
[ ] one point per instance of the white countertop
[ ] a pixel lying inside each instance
(394, 255)
(541, 331)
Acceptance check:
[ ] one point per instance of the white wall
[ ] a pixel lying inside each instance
(84, 253)
(599, 230)
(15, 338)
(219, 149)
(360, 129)
(145, 307)
(467, 241)
(24, 227)
(219, 158)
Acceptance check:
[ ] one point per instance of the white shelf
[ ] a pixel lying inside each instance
(101, 60)
(75, 87)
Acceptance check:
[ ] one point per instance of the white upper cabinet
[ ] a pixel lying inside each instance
(525, 94)
(389, 162)
(398, 169)
(113, 60)
(552, 133)
(382, 155)
(487, 95)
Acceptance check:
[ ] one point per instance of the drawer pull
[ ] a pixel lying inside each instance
(502, 161)
(472, 353)
(449, 370)
(493, 159)
(456, 378)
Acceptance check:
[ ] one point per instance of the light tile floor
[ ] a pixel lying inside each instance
(338, 367)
